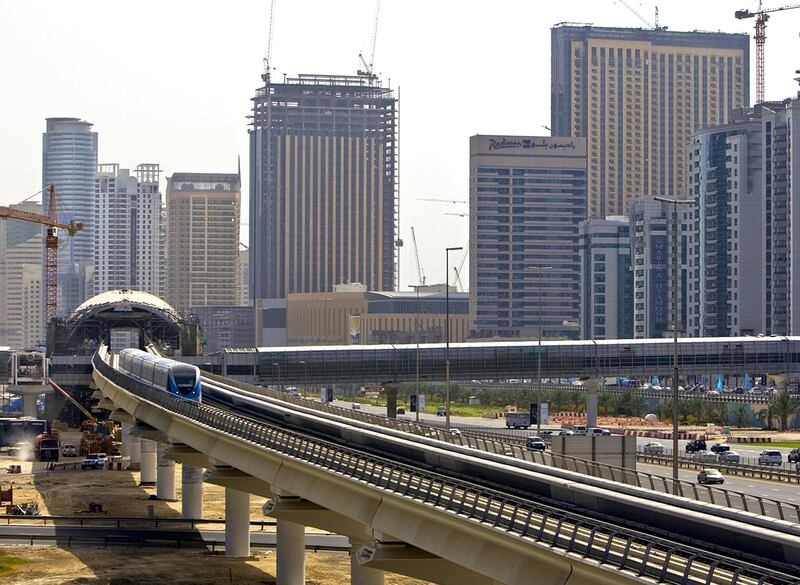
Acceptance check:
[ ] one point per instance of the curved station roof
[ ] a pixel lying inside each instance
(126, 303)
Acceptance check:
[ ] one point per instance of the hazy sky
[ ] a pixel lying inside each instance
(170, 81)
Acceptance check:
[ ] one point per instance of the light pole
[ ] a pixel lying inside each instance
(675, 203)
(277, 365)
(539, 270)
(447, 334)
(416, 338)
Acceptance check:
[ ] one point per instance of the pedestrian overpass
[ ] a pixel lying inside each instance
(504, 360)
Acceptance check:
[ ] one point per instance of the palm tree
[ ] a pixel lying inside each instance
(784, 407)
(741, 416)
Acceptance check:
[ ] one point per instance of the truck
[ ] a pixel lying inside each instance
(16, 430)
(45, 447)
(517, 420)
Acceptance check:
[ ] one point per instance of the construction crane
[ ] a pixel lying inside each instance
(51, 241)
(639, 16)
(420, 271)
(367, 71)
(268, 54)
(465, 214)
(457, 270)
(762, 16)
(441, 200)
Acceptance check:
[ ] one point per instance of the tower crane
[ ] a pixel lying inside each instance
(762, 16)
(457, 270)
(268, 54)
(51, 241)
(420, 271)
(367, 71)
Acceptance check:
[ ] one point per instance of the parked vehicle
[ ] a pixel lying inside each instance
(707, 476)
(654, 449)
(695, 446)
(770, 457)
(719, 447)
(69, 450)
(729, 457)
(518, 420)
(535, 444)
(794, 456)
(94, 461)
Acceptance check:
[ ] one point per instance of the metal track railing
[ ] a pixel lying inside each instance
(760, 505)
(615, 547)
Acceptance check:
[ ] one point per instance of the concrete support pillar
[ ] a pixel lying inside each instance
(148, 462)
(192, 492)
(29, 405)
(237, 524)
(165, 486)
(391, 389)
(131, 445)
(591, 405)
(361, 575)
(290, 553)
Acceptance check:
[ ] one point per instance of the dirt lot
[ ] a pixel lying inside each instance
(55, 566)
(70, 492)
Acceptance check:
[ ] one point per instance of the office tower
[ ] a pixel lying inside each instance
(203, 214)
(223, 327)
(323, 185)
(651, 261)
(527, 196)
(637, 96)
(244, 275)
(727, 239)
(606, 278)
(69, 160)
(21, 249)
(128, 232)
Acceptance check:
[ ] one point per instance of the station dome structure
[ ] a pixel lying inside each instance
(91, 323)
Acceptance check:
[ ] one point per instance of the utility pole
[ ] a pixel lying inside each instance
(675, 396)
(447, 335)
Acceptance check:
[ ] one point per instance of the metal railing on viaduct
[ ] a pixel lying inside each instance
(564, 527)
(507, 360)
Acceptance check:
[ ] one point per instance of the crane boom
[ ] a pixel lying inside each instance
(10, 213)
(420, 272)
(762, 16)
(639, 16)
(51, 242)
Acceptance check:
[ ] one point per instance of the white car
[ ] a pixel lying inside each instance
(705, 456)
(728, 457)
(654, 449)
(455, 432)
(770, 457)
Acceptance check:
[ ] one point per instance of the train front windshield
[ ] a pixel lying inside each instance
(184, 379)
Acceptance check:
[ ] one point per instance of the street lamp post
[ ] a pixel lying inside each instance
(539, 270)
(447, 335)
(416, 338)
(280, 385)
(675, 203)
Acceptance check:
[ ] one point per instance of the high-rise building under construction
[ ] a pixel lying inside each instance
(637, 96)
(323, 185)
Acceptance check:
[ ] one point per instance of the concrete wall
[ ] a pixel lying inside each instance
(616, 450)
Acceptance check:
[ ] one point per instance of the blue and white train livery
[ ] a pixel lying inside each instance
(182, 380)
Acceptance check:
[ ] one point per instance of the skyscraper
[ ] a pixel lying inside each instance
(69, 160)
(637, 96)
(129, 245)
(606, 278)
(203, 215)
(527, 196)
(323, 185)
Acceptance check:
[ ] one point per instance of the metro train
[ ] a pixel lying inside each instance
(182, 380)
